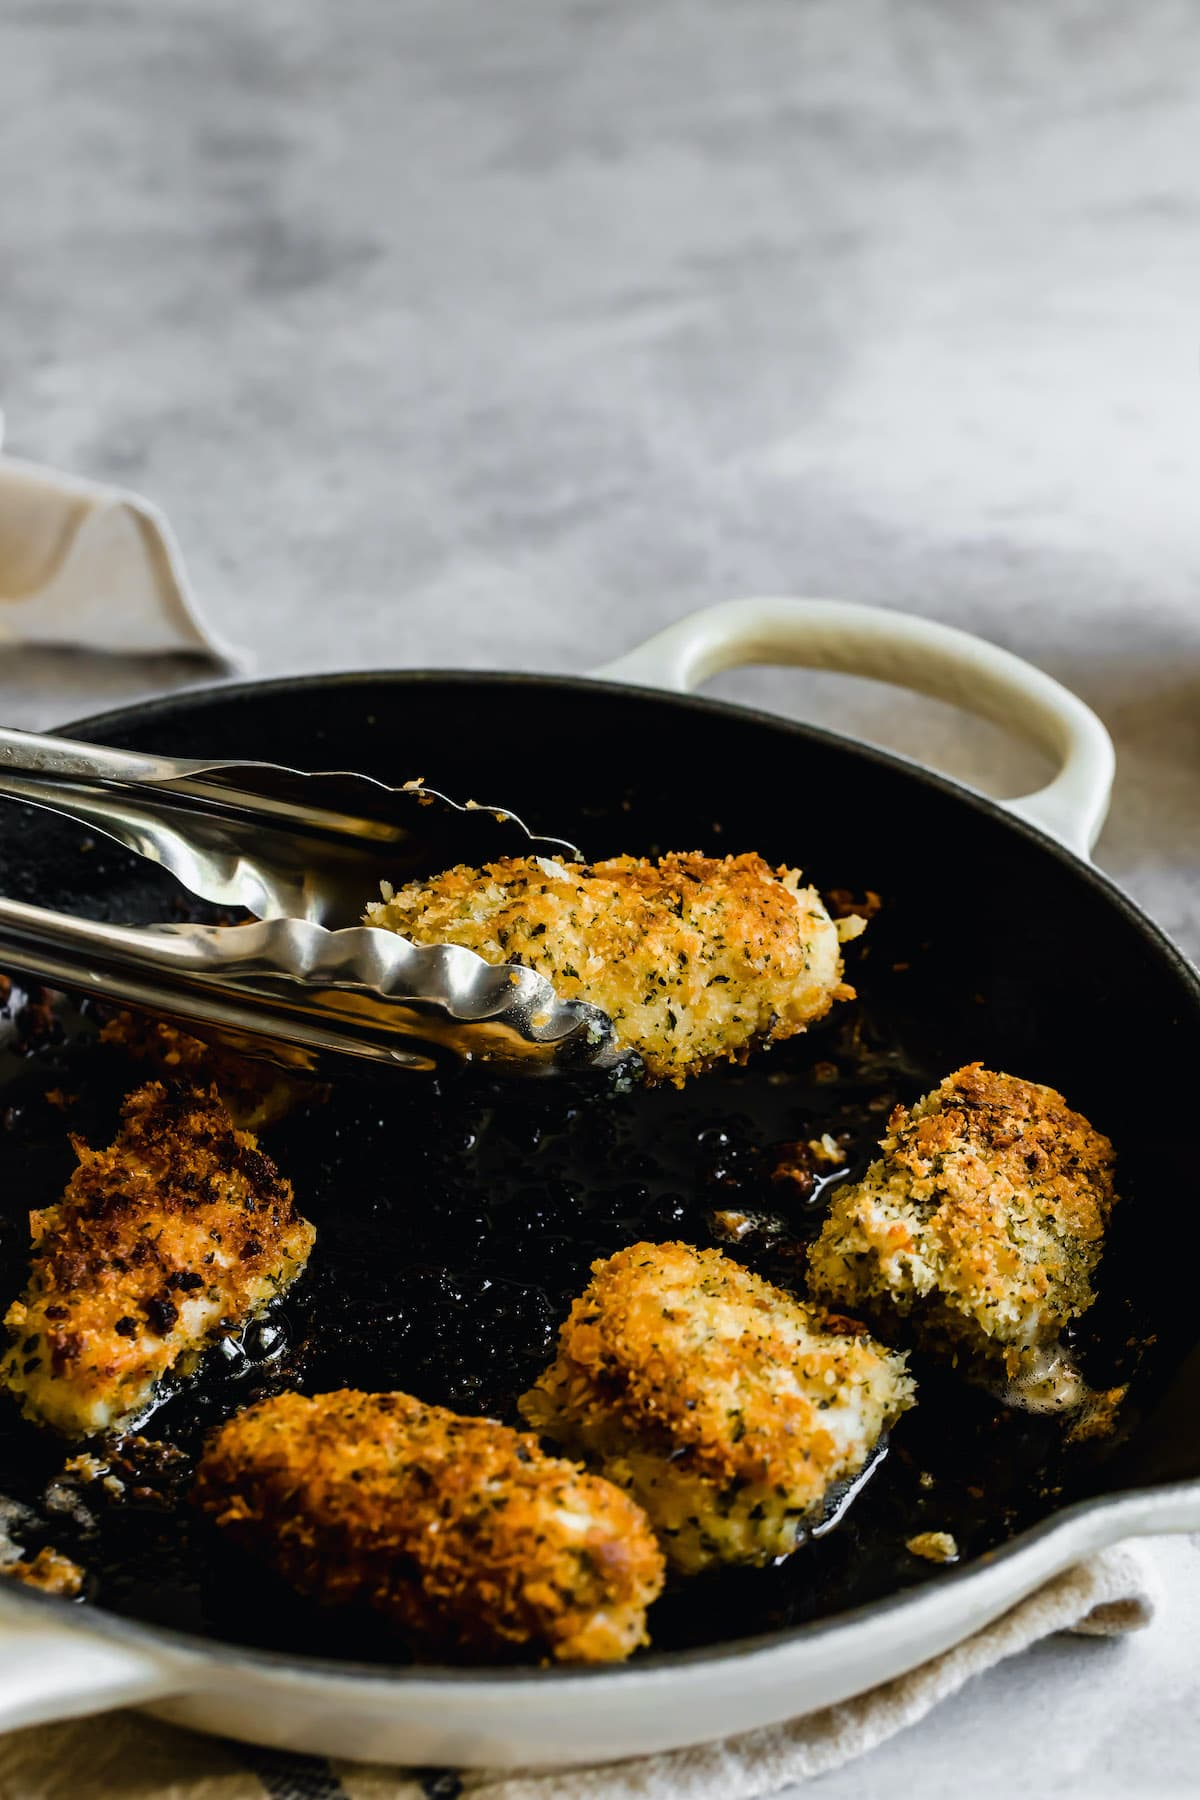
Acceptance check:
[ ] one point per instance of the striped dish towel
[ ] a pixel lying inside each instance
(127, 1757)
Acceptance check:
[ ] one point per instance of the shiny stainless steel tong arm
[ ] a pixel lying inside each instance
(358, 992)
(304, 853)
(279, 842)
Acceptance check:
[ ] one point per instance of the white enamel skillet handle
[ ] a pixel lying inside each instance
(907, 652)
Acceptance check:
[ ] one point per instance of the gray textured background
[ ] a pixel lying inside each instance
(500, 334)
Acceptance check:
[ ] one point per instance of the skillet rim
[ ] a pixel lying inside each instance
(205, 1649)
(121, 1628)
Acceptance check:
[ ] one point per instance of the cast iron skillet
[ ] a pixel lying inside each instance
(457, 1218)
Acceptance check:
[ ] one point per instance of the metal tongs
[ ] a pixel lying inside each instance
(303, 853)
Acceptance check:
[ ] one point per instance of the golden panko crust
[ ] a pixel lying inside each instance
(256, 1093)
(178, 1231)
(727, 1407)
(983, 1219)
(49, 1572)
(463, 1533)
(695, 959)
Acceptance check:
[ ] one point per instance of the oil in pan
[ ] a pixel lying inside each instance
(456, 1221)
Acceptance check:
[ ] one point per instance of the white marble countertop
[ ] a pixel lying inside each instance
(450, 334)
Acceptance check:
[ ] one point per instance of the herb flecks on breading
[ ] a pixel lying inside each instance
(726, 1407)
(462, 1533)
(695, 959)
(180, 1230)
(981, 1224)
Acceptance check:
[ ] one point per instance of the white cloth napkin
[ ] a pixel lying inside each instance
(93, 566)
(127, 1757)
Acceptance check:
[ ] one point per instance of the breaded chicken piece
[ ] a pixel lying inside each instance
(695, 959)
(462, 1533)
(180, 1231)
(980, 1225)
(256, 1093)
(727, 1408)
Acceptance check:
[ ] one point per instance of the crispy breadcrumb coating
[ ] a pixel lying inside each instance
(181, 1230)
(727, 1408)
(464, 1534)
(980, 1225)
(256, 1093)
(49, 1572)
(933, 1546)
(695, 959)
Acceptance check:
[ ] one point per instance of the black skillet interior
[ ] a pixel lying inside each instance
(456, 1219)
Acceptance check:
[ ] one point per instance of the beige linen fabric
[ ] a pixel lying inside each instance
(94, 566)
(127, 1757)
